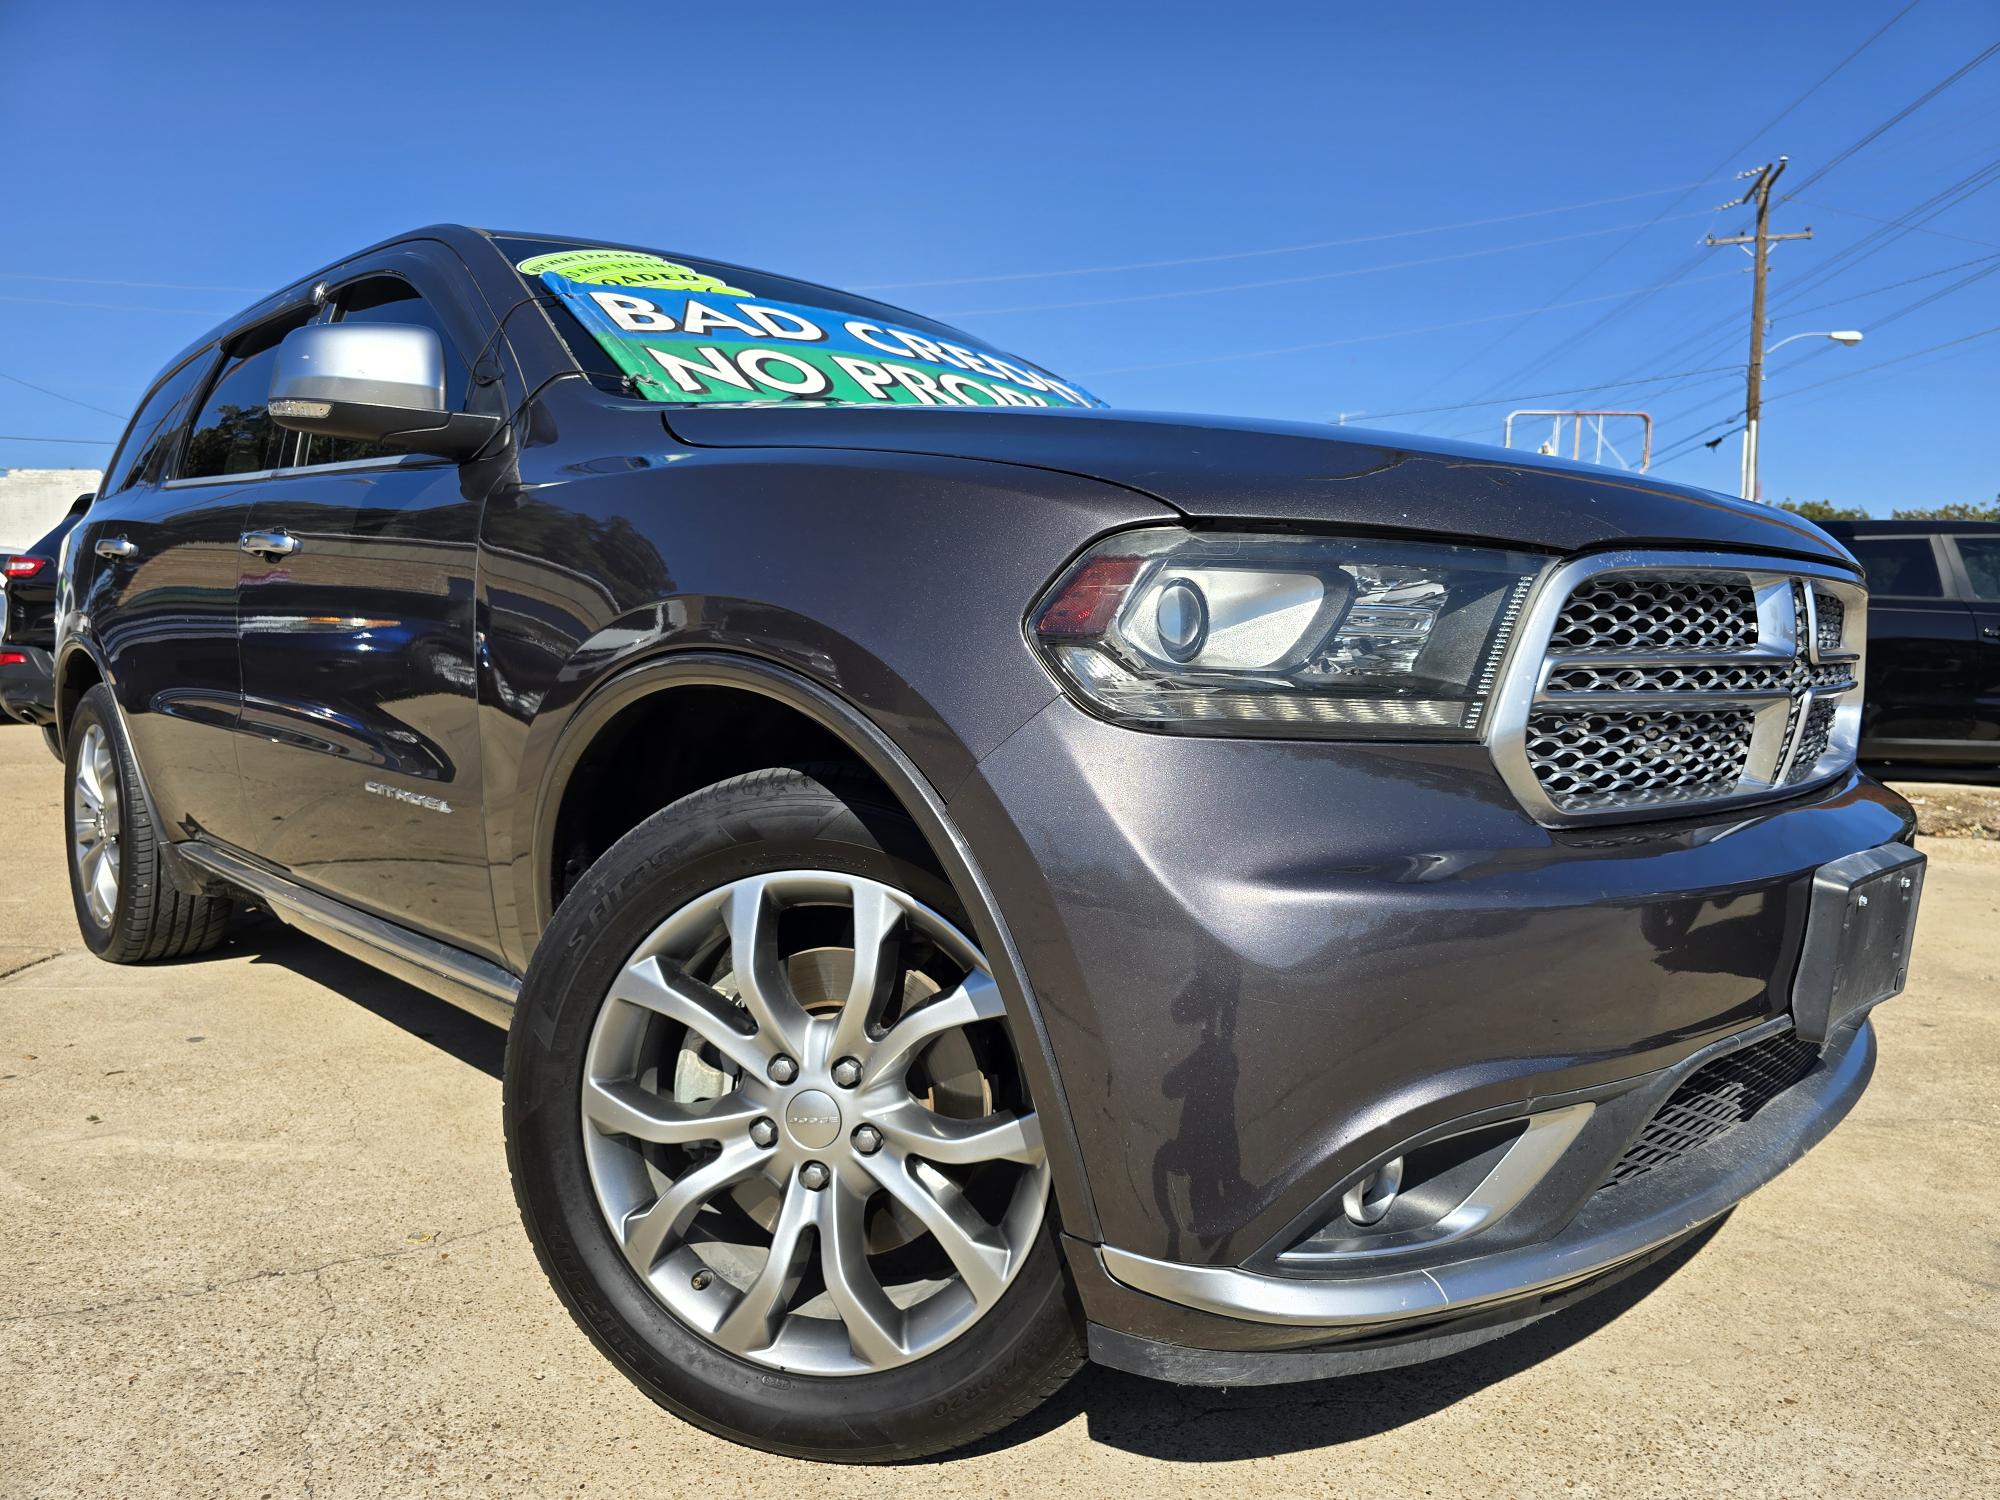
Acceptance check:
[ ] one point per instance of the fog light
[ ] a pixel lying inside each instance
(1374, 1195)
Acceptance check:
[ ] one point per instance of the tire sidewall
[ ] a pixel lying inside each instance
(95, 709)
(670, 860)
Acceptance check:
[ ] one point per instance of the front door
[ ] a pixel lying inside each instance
(359, 755)
(1922, 651)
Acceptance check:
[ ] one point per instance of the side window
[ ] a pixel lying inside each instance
(387, 299)
(142, 455)
(1904, 565)
(233, 433)
(1981, 555)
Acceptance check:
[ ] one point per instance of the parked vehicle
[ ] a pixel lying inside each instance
(975, 877)
(28, 629)
(1933, 640)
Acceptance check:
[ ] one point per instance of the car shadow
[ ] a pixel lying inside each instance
(456, 1033)
(1193, 1424)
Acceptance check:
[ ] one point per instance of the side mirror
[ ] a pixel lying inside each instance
(380, 382)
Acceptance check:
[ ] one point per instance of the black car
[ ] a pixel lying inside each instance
(1933, 640)
(28, 628)
(976, 879)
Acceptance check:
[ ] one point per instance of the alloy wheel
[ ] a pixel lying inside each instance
(806, 1127)
(95, 824)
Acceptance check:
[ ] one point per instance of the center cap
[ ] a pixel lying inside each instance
(813, 1119)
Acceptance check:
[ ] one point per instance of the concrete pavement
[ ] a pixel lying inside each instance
(256, 1239)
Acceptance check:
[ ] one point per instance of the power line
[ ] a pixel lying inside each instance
(190, 312)
(157, 286)
(1725, 160)
(1894, 120)
(15, 437)
(1203, 260)
(73, 401)
(1250, 286)
(1364, 338)
(1574, 390)
(1872, 219)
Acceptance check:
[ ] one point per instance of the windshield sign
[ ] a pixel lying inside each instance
(683, 335)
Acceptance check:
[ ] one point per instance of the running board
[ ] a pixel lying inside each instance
(452, 974)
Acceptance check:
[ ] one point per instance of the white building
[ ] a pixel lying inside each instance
(33, 500)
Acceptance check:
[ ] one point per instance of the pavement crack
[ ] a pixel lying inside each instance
(9, 975)
(125, 1305)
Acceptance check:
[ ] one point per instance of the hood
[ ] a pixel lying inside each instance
(1227, 469)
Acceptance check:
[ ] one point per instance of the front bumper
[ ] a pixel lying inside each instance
(1260, 967)
(27, 689)
(1617, 1226)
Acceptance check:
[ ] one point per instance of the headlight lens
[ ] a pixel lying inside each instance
(1199, 632)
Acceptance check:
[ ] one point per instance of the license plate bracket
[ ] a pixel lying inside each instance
(1859, 929)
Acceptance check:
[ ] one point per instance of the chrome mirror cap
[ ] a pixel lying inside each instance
(379, 382)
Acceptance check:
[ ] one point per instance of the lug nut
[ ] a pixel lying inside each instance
(763, 1132)
(783, 1069)
(814, 1176)
(867, 1139)
(702, 1280)
(847, 1072)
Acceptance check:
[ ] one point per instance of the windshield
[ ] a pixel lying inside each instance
(680, 330)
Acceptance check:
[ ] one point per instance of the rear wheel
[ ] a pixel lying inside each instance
(127, 906)
(770, 1135)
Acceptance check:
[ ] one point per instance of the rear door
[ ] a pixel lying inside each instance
(159, 548)
(1978, 558)
(360, 748)
(1922, 652)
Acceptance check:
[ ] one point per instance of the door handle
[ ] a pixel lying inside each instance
(116, 547)
(268, 543)
(1991, 632)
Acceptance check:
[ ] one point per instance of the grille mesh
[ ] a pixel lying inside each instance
(1658, 612)
(1586, 761)
(1679, 684)
(1813, 742)
(1715, 1099)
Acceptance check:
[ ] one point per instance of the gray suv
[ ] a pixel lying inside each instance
(975, 879)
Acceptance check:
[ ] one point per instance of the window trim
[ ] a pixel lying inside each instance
(293, 471)
(226, 345)
(1941, 559)
(206, 351)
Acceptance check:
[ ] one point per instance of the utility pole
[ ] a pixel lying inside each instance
(1758, 192)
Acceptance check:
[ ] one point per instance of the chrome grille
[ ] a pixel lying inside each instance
(1651, 682)
(1594, 760)
(1657, 612)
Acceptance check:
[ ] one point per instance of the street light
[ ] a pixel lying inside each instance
(1847, 337)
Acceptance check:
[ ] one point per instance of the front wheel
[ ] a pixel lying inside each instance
(770, 1135)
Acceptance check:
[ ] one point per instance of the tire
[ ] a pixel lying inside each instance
(820, 1389)
(140, 915)
(53, 741)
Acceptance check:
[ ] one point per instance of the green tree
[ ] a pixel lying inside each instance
(1958, 510)
(1825, 510)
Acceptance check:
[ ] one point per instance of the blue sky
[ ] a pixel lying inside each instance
(167, 163)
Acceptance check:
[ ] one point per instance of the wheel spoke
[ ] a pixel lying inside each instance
(976, 998)
(647, 1233)
(107, 781)
(878, 919)
(665, 988)
(1005, 1136)
(753, 1321)
(976, 1248)
(86, 794)
(86, 869)
(620, 1107)
(104, 882)
(874, 1323)
(760, 975)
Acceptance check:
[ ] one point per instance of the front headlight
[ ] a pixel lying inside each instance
(1196, 632)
